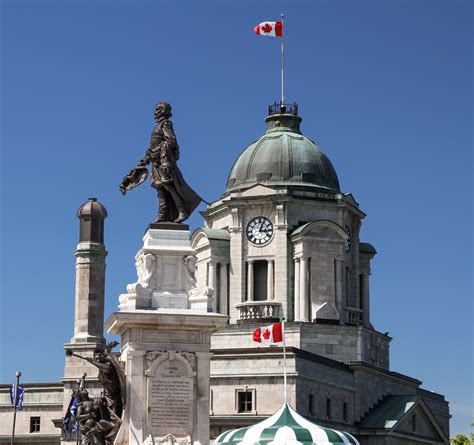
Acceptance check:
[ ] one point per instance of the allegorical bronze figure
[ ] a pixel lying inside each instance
(177, 199)
(100, 418)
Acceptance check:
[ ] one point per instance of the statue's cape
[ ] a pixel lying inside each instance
(136, 177)
(121, 379)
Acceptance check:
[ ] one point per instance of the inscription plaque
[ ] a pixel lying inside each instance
(170, 400)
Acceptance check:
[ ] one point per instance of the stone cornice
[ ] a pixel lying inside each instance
(165, 320)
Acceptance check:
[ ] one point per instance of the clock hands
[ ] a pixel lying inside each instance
(259, 231)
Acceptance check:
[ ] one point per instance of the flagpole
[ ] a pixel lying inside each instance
(284, 362)
(78, 388)
(282, 65)
(81, 384)
(15, 402)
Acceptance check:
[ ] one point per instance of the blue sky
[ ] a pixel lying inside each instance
(384, 87)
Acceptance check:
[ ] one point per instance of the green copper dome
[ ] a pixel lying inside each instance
(283, 157)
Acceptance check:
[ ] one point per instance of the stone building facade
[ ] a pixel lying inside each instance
(281, 242)
(36, 423)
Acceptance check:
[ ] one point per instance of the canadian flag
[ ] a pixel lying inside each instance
(269, 335)
(270, 29)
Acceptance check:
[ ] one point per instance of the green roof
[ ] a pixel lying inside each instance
(281, 159)
(366, 247)
(389, 412)
(217, 234)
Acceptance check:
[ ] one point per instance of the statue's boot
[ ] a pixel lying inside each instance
(182, 215)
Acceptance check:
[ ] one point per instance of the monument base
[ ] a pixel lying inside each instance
(167, 366)
(165, 272)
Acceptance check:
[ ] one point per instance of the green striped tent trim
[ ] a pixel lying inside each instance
(287, 427)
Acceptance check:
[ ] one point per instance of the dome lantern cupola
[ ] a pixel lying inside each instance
(283, 118)
(91, 215)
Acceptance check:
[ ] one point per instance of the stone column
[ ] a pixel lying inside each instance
(90, 274)
(212, 283)
(223, 288)
(303, 290)
(202, 404)
(250, 280)
(212, 275)
(270, 278)
(89, 300)
(297, 289)
(90, 283)
(136, 394)
(365, 297)
(338, 272)
(237, 270)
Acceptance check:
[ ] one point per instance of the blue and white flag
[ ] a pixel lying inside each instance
(18, 403)
(70, 413)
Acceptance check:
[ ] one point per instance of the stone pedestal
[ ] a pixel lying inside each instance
(165, 325)
(167, 359)
(165, 269)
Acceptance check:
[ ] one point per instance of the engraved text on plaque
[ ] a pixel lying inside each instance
(170, 399)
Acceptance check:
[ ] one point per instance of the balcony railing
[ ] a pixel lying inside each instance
(253, 311)
(283, 108)
(354, 315)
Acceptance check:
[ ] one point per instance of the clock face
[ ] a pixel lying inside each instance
(259, 231)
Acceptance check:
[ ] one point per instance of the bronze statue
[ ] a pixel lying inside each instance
(94, 422)
(177, 199)
(100, 419)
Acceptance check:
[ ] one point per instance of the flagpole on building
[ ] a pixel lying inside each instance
(284, 361)
(15, 402)
(282, 66)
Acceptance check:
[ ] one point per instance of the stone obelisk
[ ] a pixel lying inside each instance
(165, 326)
(89, 301)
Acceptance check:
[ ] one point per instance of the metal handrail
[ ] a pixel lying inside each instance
(283, 108)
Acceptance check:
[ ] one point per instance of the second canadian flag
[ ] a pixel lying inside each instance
(269, 335)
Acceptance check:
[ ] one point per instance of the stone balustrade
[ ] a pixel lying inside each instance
(354, 315)
(254, 311)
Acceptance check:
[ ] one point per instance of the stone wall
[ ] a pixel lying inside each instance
(373, 384)
(337, 342)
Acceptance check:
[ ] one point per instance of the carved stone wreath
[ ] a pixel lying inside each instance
(151, 356)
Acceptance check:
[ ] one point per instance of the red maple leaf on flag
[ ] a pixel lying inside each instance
(266, 334)
(267, 27)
